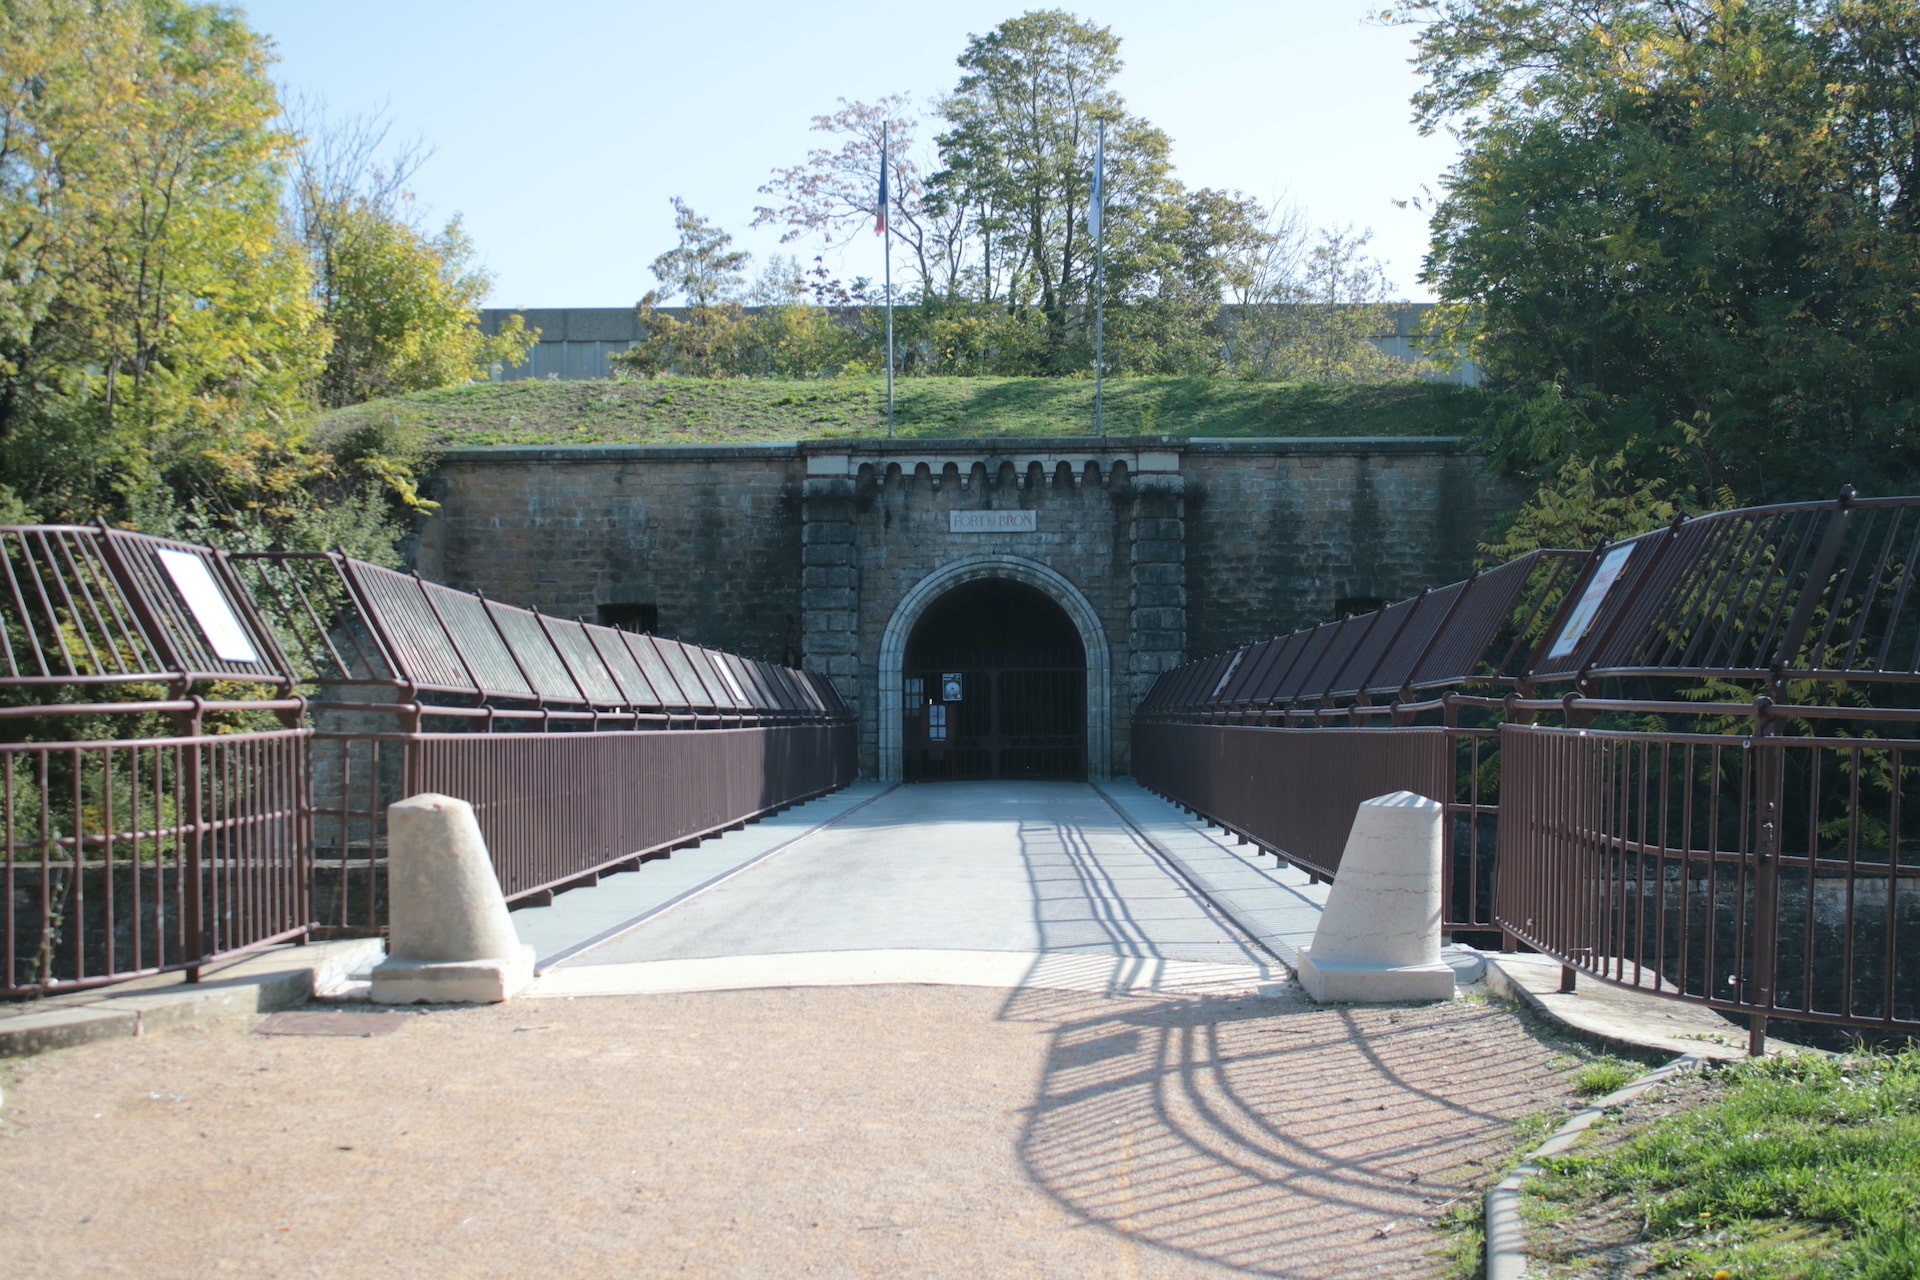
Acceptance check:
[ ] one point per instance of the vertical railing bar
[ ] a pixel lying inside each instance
(48, 611)
(1891, 926)
(67, 579)
(1847, 938)
(47, 941)
(109, 899)
(79, 895)
(1745, 536)
(1844, 585)
(8, 925)
(1689, 763)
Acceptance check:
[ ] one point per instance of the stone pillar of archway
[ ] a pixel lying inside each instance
(893, 650)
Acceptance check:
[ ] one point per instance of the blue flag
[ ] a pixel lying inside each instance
(1098, 199)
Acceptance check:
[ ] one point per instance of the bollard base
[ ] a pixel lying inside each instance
(452, 982)
(1339, 982)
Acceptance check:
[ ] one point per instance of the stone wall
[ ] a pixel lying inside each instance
(1281, 532)
(710, 536)
(819, 553)
(887, 511)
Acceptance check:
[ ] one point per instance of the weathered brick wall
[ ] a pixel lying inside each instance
(709, 535)
(1279, 532)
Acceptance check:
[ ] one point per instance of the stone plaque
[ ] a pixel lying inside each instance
(992, 521)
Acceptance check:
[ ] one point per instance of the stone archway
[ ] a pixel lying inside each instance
(893, 649)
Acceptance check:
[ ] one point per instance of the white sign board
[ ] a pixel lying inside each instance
(210, 609)
(992, 521)
(1590, 600)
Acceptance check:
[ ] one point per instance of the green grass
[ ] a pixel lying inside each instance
(1602, 1076)
(1591, 1072)
(1797, 1168)
(740, 411)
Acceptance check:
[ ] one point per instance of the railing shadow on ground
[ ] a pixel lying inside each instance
(1272, 1136)
(1241, 1127)
(1094, 912)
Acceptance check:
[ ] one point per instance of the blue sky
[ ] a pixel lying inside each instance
(561, 131)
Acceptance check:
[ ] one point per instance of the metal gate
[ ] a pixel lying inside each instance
(977, 721)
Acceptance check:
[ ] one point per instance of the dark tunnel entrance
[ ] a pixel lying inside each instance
(995, 687)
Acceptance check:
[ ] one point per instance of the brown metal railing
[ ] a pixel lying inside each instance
(1763, 876)
(126, 851)
(138, 856)
(1293, 792)
(1752, 862)
(557, 809)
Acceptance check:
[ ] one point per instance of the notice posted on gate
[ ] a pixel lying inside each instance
(993, 521)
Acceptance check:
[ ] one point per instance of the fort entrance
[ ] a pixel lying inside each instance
(827, 555)
(994, 686)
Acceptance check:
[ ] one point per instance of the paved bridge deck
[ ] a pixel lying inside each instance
(995, 884)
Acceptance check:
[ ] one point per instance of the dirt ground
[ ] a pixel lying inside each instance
(860, 1131)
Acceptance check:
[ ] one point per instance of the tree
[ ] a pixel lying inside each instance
(156, 307)
(999, 262)
(711, 341)
(1165, 315)
(832, 195)
(1686, 234)
(402, 306)
(702, 266)
(1307, 303)
(403, 311)
(1019, 152)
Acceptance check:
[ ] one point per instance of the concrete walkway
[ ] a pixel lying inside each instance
(988, 884)
(580, 919)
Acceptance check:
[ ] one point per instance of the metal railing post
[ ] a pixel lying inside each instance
(1769, 792)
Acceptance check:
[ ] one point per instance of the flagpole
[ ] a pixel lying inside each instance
(1099, 280)
(887, 247)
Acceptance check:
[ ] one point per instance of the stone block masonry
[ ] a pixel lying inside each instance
(710, 536)
(808, 553)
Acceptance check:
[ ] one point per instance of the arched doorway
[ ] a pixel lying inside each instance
(925, 593)
(994, 685)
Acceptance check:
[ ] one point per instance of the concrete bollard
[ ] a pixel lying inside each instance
(450, 940)
(1379, 937)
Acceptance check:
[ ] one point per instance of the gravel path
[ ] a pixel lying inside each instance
(857, 1131)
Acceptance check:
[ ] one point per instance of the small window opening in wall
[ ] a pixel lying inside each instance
(1349, 606)
(631, 617)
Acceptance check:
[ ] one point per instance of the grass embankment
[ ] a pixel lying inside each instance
(1794, 1168)
(738, 411)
